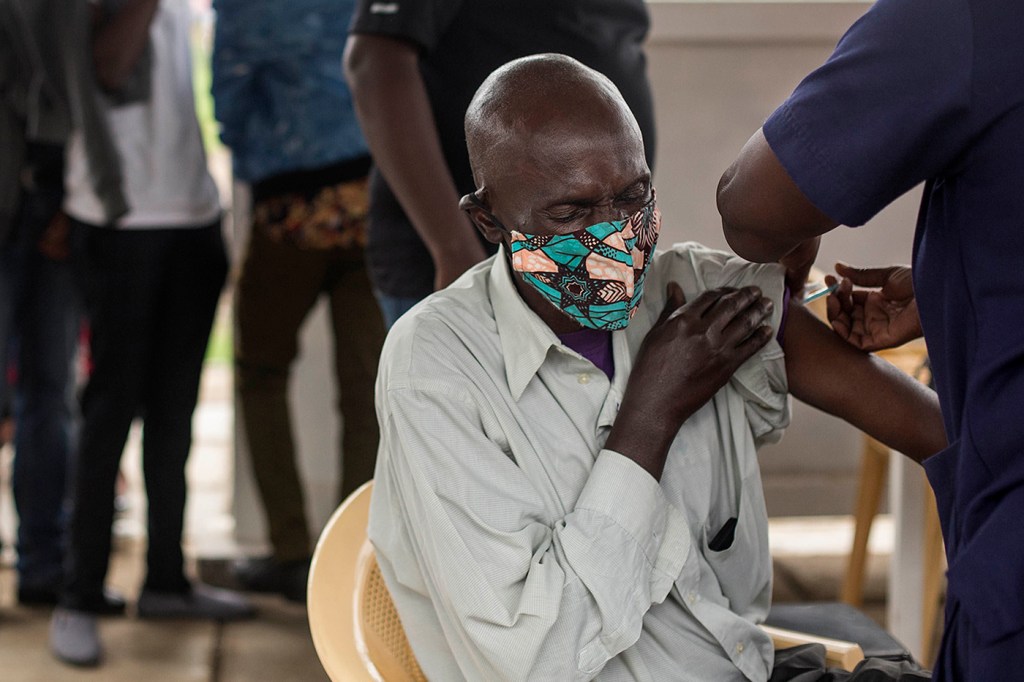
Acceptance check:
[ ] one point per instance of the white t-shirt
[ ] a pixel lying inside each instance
(163, 163)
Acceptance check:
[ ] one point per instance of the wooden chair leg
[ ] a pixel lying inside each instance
(874, 464)
(934, 568)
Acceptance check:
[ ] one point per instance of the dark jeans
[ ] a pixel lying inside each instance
(151, 295)
(807, 664)
(39, 322)
(278, 287)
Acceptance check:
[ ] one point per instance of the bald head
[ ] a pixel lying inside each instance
(530, 101)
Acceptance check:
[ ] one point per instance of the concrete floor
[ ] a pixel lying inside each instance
(276, 646)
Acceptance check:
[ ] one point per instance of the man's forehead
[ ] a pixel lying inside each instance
(555, 125)
(580, 154)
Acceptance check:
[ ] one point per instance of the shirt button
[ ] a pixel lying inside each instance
(739, 648)
(583, 378)
(691, 596)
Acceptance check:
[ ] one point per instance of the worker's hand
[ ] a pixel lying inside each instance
(689, 354)
(884, 317)
(798, 263)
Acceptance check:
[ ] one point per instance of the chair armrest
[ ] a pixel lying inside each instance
(838, 653)
(842, 622)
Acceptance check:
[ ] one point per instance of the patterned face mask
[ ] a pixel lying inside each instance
(594, 275)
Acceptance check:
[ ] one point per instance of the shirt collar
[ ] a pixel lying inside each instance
(525, 338)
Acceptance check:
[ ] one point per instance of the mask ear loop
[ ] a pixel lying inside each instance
(476, 201)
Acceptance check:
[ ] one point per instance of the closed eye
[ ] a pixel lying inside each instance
(568, 214)
(636, 195)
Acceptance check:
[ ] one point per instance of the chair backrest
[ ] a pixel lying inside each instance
(352, 619)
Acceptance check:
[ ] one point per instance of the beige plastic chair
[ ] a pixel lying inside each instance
(356, 630)
(352, 619)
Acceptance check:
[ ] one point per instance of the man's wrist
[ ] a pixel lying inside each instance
(644, 439)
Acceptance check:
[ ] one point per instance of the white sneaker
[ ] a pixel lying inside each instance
(202, 602)
(74, 638)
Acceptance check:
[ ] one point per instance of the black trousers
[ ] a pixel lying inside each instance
(806, 663)
(150, 296)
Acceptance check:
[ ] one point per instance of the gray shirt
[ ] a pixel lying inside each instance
(517, 547)
(47, 87)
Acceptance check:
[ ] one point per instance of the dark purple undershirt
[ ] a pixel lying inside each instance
(593, 344)
(596, 345)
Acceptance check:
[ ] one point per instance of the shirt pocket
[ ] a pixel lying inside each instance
(742, 566)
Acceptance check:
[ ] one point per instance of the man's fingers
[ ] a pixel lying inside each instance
(754, 342)
(741, 325)
(708, 300)
(674, 294)
(674, 300)
(729, 302)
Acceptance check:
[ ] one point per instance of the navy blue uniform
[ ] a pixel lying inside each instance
(933, 91)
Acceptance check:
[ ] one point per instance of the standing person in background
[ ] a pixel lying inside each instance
(413, 67)
(924, 91)
(39, 321)
(153, 279)
(47, 90)
(287, 117)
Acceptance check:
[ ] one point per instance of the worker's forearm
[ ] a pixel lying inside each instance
(119, 41)
(394, 111)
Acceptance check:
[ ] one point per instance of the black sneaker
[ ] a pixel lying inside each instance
(265, 574)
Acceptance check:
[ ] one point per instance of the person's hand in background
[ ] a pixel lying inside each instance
(884, 316)
(55, 242)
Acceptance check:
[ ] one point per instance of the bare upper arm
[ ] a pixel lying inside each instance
(826, 372)
(764, 213)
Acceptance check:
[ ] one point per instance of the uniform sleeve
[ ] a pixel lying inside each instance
(520, 596)
(422, 22)
(888, 110)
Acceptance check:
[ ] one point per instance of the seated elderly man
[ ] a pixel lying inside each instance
(567, 486)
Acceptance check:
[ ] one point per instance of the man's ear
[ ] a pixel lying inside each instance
(483, 219)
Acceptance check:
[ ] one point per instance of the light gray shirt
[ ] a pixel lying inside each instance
(517, 547)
